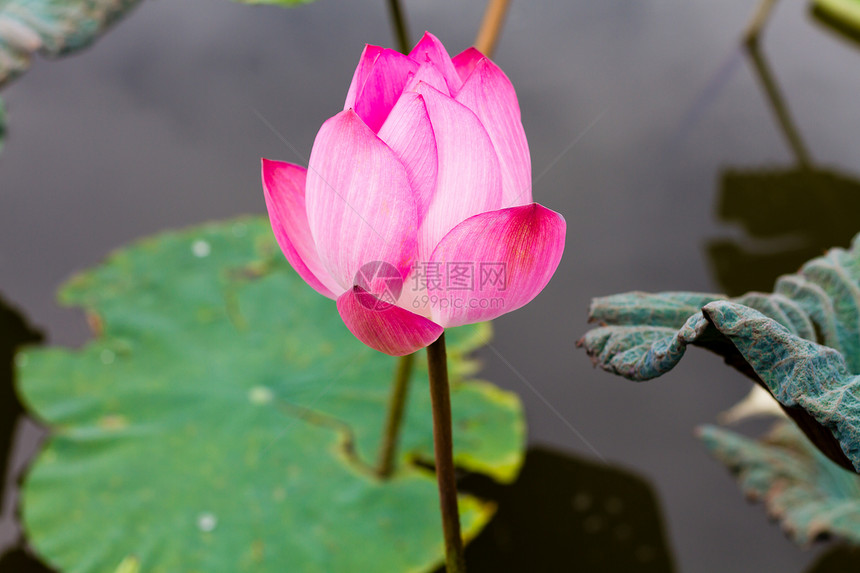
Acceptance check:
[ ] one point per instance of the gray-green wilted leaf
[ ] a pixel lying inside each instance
(802, 342)
(224, 420)
(808, 494)
(52, 27)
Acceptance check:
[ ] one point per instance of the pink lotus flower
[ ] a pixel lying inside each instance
(415, 213)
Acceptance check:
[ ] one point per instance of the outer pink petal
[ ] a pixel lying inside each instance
(526, 243)
(393, 330)
(431, 49)
(408, 132)
(389, 75)
(365, 64)
(284, 189)
(465, 61)
(359, 203)
(469, 180)
(489, 93)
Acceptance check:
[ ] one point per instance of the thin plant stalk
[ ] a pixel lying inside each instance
(778, 105)
(440, 396)
(759, 19)
(401, 30)
(491, 27)
(394, 421)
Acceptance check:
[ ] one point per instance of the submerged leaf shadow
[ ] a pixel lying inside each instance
(15, 332)
(19, 561)
(789, 215)
(805, 210)
(565, 513)
(837, 560)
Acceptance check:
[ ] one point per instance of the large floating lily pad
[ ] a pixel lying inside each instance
(224, 420)
(802, 342)
(52, 27)
(808, 494)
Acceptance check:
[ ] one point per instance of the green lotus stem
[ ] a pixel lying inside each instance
(440, 396)
(398, 20)
(758, 21)
(491, 27)
(396, 407)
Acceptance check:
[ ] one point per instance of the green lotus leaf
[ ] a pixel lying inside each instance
(802, 342)
(225, 420)
(52, 27)
(808, 494)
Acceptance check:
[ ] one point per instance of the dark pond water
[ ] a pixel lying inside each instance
(650, 130)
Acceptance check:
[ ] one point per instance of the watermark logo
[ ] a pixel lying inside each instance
(457, 284)
(380, 285)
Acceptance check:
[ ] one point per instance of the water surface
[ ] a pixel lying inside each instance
(637, 114)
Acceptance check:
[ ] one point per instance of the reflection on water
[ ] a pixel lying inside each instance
(153, 129)
(14, 333)
(840, 559)
(19, 561)
(810, 209)
(798, 212)
(565, 513)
